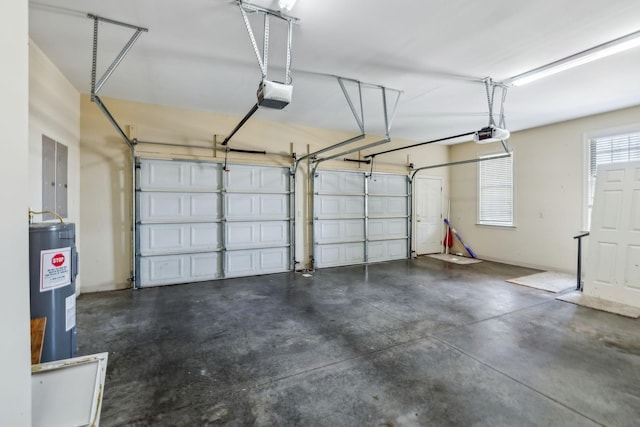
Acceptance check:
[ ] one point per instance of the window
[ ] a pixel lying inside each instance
(495, 193)
(610, 149)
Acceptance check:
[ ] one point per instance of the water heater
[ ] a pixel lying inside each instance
(53, 267)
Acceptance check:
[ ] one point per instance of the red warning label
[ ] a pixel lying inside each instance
(55, 268)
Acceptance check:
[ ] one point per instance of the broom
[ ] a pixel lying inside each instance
(448, 237)
(460, 239)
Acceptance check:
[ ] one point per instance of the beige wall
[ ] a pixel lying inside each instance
(106, 171)
(15, 364)
(549, 173)
(54, 111)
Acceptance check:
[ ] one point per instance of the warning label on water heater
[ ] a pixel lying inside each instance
(55, 268)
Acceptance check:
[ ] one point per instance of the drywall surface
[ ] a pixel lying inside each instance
(54, 111)
(106, 176)
(15, 367)
(549, 171)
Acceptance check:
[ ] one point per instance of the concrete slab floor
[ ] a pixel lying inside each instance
(402, 343)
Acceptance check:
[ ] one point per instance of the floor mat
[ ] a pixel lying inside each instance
(579, 298)
(455, 259)
(550, 281)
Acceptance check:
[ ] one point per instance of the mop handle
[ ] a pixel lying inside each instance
(446, 220)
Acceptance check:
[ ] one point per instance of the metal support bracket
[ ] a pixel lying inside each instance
(357, 109)
(491, 88)
(96, 86)
(131, 143)
(263, 58)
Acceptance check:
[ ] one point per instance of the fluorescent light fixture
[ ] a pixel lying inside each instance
(601, 51)
(286, 4)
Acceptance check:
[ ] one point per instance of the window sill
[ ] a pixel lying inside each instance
(497, 226)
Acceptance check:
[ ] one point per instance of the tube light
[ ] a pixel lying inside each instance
(286, 4)
(601, 51)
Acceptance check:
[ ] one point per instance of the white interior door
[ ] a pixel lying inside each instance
(613, 264)
(428, 215)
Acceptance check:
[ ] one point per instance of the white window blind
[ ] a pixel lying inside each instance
(495, 195)
(611, 149)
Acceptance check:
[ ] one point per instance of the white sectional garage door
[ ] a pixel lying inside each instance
(257, 229)
(198, 223)
(359, 219)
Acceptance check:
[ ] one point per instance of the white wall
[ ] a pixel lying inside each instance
(54, 111)
(106, 171)
(549, 173)
(15, 362)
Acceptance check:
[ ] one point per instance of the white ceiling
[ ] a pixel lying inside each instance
(197, 54)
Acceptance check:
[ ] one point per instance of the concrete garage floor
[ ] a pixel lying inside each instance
(403, 343)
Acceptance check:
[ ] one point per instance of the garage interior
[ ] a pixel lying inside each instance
(258, 190)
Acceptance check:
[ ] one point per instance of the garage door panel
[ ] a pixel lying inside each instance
(387, 250)
(192, 215)
(388, 206)
(204, 176)
(257, 179)
(388, 228)
(178, 176)
(257, 234)
(204, 206)
(388, 184)
(205, 266)
(205, 236)
(258, 261)
(340, 182)
(342, 233)
(256, 206)
(170, 269)
(334, 255)
(158, 239)
(178, 207)
(339, 230)
(340, 206)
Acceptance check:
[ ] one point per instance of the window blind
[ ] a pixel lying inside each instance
(496, 191)
(619, 148)
(612, 149)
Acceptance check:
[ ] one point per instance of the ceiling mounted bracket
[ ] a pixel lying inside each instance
(96, 86)
(270, 94)
(358, 114)
(359, 117)
(263, 58)
(491, 88)
(493, 132)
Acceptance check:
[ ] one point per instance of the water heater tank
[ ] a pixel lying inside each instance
(53, 267)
